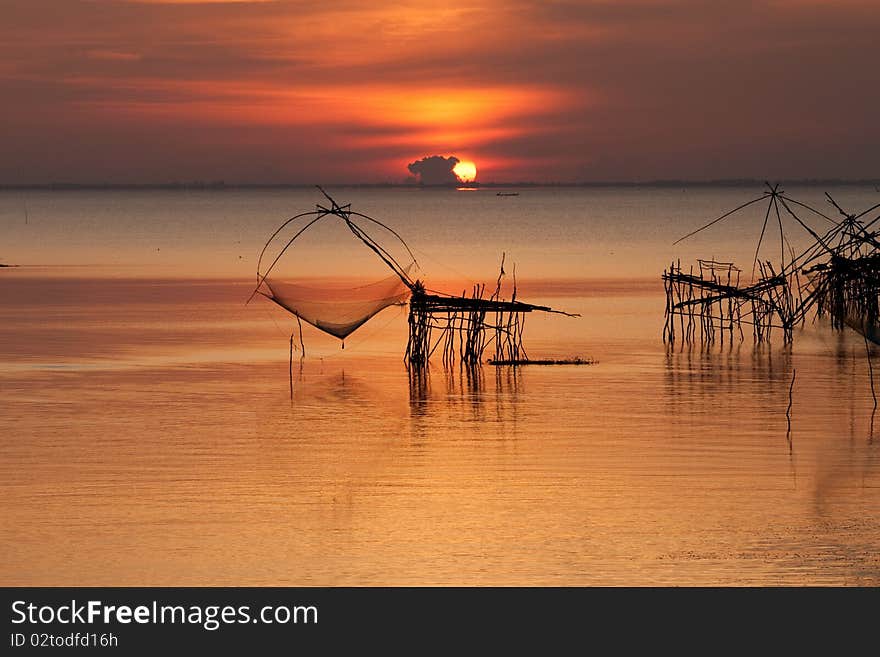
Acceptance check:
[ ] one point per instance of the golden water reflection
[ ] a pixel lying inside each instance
(148, 442)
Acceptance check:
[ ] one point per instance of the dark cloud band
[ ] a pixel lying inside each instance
(435, 170)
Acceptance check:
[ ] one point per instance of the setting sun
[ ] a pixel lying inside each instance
(466, 171)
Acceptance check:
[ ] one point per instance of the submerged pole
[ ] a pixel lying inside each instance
(290, 366)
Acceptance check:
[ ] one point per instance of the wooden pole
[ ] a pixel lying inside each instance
(870, 372)
(302, 345)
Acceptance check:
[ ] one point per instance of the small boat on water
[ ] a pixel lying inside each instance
(507, 194)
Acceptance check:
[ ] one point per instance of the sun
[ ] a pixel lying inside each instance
(466, 171)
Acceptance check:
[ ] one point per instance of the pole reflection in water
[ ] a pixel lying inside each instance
(465, 395)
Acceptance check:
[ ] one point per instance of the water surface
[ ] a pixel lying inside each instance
(149, 437)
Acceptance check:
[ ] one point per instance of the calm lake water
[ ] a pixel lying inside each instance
(149, 438)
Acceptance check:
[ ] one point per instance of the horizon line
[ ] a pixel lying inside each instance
(223, 185)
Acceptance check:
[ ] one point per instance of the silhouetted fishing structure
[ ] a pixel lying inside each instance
(843, 269)
(709, 301)
(838, 275)
(462, 327)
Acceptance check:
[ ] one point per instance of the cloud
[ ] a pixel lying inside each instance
(435, 170)
(534, 90)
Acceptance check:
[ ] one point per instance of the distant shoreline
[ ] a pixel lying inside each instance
(223, 186)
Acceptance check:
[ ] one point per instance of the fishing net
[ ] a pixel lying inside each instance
(335, 309)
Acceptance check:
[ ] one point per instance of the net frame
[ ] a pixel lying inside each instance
(344, 310)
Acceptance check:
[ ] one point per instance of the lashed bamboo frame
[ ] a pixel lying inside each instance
(467, 325)
(838, 276)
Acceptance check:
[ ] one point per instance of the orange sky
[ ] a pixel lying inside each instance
(289, 91)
